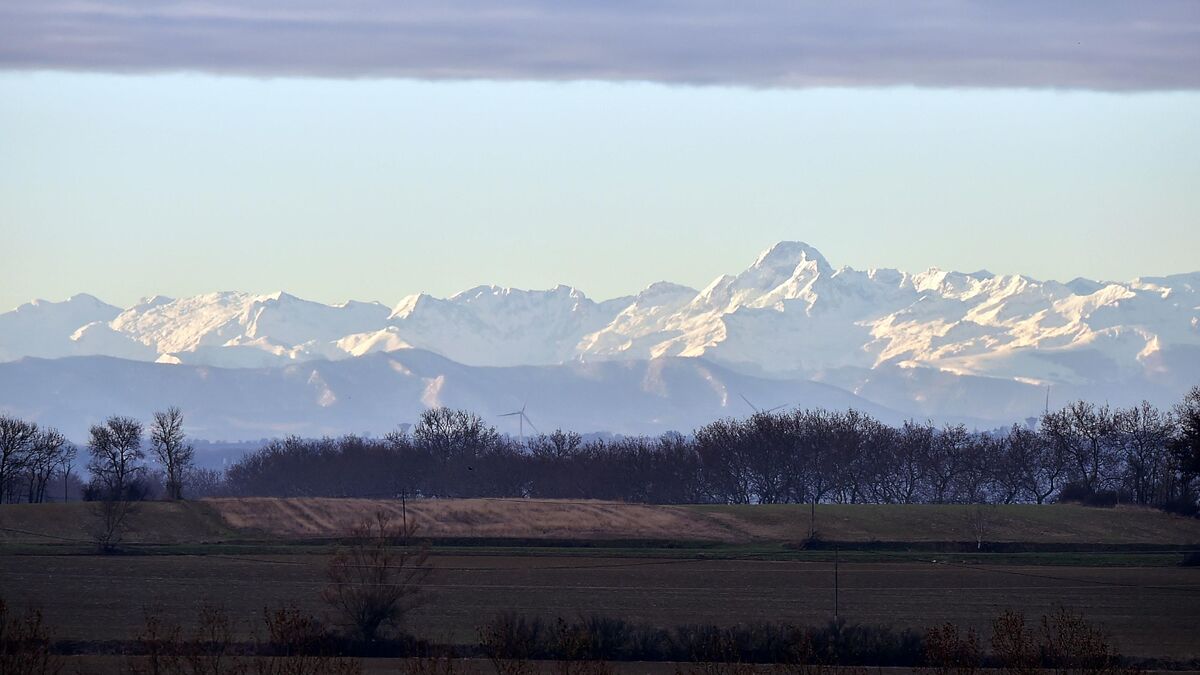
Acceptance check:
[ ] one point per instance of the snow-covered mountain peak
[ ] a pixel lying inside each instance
(786, 256)
(663, 291)
(154, 301)
(43, 328)
(407, 305)
(278, 296)
(80, 302)
(787, 314)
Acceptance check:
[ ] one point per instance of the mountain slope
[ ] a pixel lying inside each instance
(375, 393)
(902, 340)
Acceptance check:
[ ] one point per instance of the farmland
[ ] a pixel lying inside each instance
(661, 566)
(271, 519)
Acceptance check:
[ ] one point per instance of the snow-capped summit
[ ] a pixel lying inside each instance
(788, 314)
(786, 256)
(44, 329)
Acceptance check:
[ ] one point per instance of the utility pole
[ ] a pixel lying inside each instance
(835, 582)
(404, 514)
(812, 519)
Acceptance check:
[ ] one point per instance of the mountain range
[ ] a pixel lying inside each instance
(789, 329)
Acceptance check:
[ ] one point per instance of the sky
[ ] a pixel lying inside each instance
(187, 147)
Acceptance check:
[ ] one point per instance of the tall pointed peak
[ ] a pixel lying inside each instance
(789, 255)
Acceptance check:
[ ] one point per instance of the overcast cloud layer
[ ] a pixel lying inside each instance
(791, 43)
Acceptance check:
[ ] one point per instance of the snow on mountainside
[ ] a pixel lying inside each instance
(489, 325)
(900, 339)
(47, 329)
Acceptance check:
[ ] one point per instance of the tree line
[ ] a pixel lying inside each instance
(1097, 454)
(32, 458)
(1086, 452)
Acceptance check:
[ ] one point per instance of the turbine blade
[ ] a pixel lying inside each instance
(530, 422)
(748, 402)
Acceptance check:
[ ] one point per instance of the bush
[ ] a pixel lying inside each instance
(1183, 506)
(858, 644)
(510, 640)
(25, 644)
(1079, 493)
(595, 638)
(140, 489)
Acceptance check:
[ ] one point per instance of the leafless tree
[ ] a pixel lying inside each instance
(947, 461)
(16, 441)
(67, 462)
(1086, 435)
(1031, 469)
(376, 578)
(171, 449)
(981, 518)
(1185, 446)
(110, 520)
(44, 457)
(116, 449)
(1144, 434)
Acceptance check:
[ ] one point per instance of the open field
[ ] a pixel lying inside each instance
(227, 520)
(662, 565)
(1150, 611)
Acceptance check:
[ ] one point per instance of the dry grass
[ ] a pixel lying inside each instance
(1025, 523)
(312, 518)
(551, 519)
(483, 518)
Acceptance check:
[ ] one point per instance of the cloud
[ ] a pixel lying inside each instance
(770, 43)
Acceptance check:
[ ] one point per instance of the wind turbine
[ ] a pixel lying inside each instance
(755, 408)
(522, 418)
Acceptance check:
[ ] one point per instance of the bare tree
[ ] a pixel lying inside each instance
(116, 449)
(981, 518)
(1185, 446)
(171, 449)
(1144, 434)
(16, 441)
(67, 462)
(376, 579)
(1031, 467)
(44, 456)
(1086, 435)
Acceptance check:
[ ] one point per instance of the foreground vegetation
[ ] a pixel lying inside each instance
(289, 641)
(446, 581)
(745, 562)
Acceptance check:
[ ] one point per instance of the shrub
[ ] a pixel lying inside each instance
(25, 644)
(509, 641)
(375, 580)
(1183, 506)
(949, 652)
(298, 644)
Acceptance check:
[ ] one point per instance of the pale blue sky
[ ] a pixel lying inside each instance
(130, 185)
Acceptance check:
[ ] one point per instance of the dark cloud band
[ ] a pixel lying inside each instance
(789, 43)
